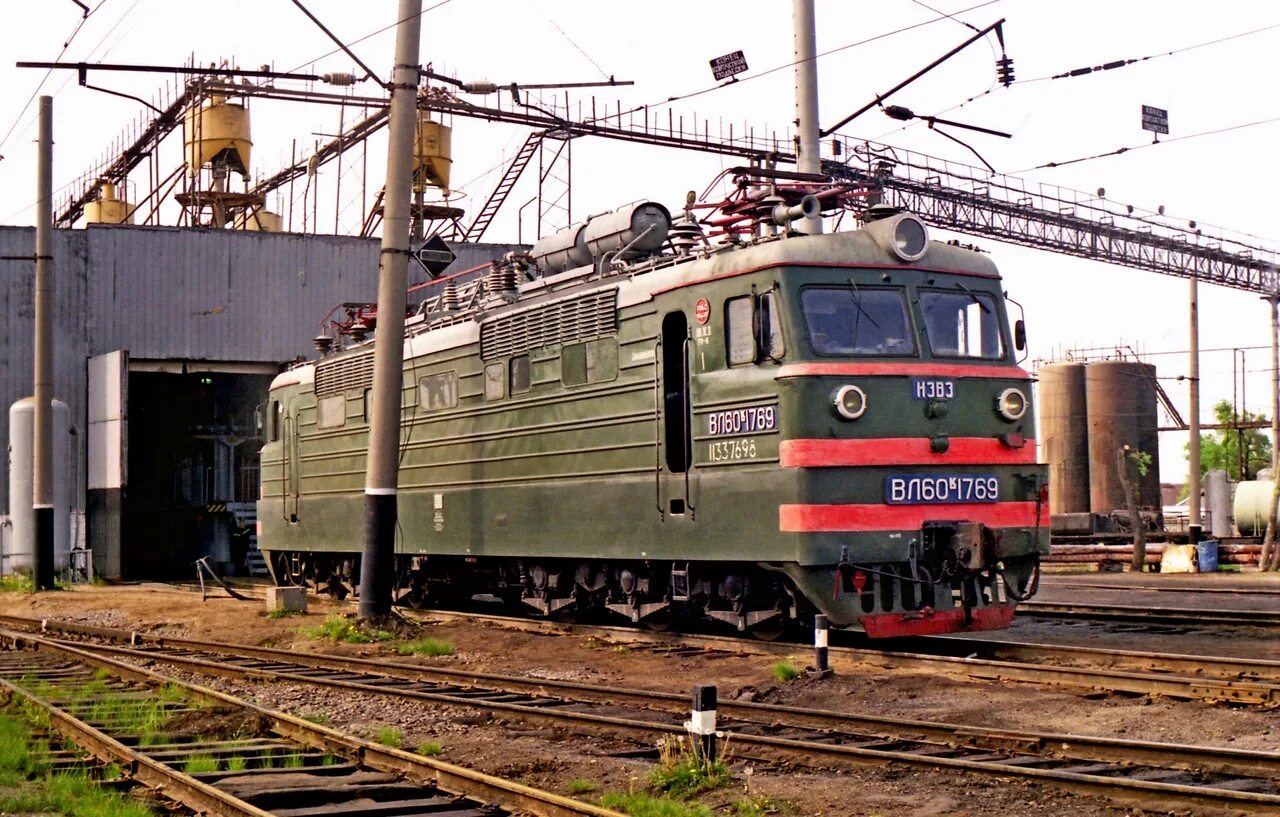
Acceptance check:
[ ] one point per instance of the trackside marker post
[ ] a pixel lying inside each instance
(821, 631)
(702, 724)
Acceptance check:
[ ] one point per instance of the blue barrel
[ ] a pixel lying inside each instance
(1207, 555)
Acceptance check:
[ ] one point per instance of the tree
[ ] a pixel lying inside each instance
(1221, 449)
(1128, 461)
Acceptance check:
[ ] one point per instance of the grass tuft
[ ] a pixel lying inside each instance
(17, 583)
(430, 748)
(339, 628)
(282, 613)
(758, 806)
(784, 671)
(683, 771)
(641, 804)
(389, 736)
(431, 647)
(200, 764)
(580, 786)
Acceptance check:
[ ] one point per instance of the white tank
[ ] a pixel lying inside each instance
(22, 432)
(1252, 505)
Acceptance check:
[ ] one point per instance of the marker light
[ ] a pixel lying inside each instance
(850, 402)
(1011, 404)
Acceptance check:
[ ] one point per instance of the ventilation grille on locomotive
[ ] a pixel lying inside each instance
(582, 318)
(338, 375)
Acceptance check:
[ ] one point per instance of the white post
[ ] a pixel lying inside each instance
(808, 158)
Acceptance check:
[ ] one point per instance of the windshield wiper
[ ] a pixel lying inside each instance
(973, 297)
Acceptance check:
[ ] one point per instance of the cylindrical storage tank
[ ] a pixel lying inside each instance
(218, 132)
(22, 432)
(1121, 398)
(432, 155)
(1252, 503)
(1217, 501)
(1064, 430)
(260, 221)
(562, 250)
(640, 228)
(108, 209)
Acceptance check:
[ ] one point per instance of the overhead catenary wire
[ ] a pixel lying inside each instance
(370, 35)
(65, 45)
(1124, 63)
(741, 79)
(1122, 150)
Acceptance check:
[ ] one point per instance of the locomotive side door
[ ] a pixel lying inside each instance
(290, 439)
(675, 420)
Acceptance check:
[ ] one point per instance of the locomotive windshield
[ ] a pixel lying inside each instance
(856, 320)
(962, 323)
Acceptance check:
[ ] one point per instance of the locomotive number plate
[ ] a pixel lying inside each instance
(933, 389)
(932, 489)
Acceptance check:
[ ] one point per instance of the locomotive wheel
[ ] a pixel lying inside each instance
(770, 630)
(659, 622)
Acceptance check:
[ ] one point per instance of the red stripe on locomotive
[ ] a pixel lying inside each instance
(902, 451)
(912, 369)
(856, 518)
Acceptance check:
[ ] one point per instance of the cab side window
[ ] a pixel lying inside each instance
(752, 329)
(739, 329)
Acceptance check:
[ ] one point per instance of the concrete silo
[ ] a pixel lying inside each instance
(1064, 431)
(1121, 397)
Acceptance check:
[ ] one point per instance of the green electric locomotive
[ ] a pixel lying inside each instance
(716, 417)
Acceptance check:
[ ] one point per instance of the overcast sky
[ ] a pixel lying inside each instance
(1226, 179)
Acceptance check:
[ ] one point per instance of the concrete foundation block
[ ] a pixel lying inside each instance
(287, 599)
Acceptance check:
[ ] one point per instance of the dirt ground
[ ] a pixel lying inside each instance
(551, 759)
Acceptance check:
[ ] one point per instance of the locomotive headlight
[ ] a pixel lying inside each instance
(910, 238)
(850, 402)
(1011, 404)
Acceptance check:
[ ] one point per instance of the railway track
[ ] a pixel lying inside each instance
(288, 767)
(1152, 774)
(1171, 587)
(1184, 677)
(1150, 615)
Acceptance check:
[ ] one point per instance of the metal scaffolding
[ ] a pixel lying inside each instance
(947, 194)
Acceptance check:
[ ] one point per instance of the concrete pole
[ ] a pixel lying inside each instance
(382, 479)
(808, 159)
(42, 479)
(1268, 560)
(1193, 449)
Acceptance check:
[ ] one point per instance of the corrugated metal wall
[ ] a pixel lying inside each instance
(180, 294)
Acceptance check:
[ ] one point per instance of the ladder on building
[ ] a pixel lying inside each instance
(245, 515)
(512, 175)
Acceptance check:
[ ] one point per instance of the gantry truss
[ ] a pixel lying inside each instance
(946, 194)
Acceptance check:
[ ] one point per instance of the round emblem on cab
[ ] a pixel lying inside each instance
(702, 310)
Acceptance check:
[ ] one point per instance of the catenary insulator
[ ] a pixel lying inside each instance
(340, 78)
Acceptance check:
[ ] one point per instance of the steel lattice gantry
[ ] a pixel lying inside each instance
(947, 194)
